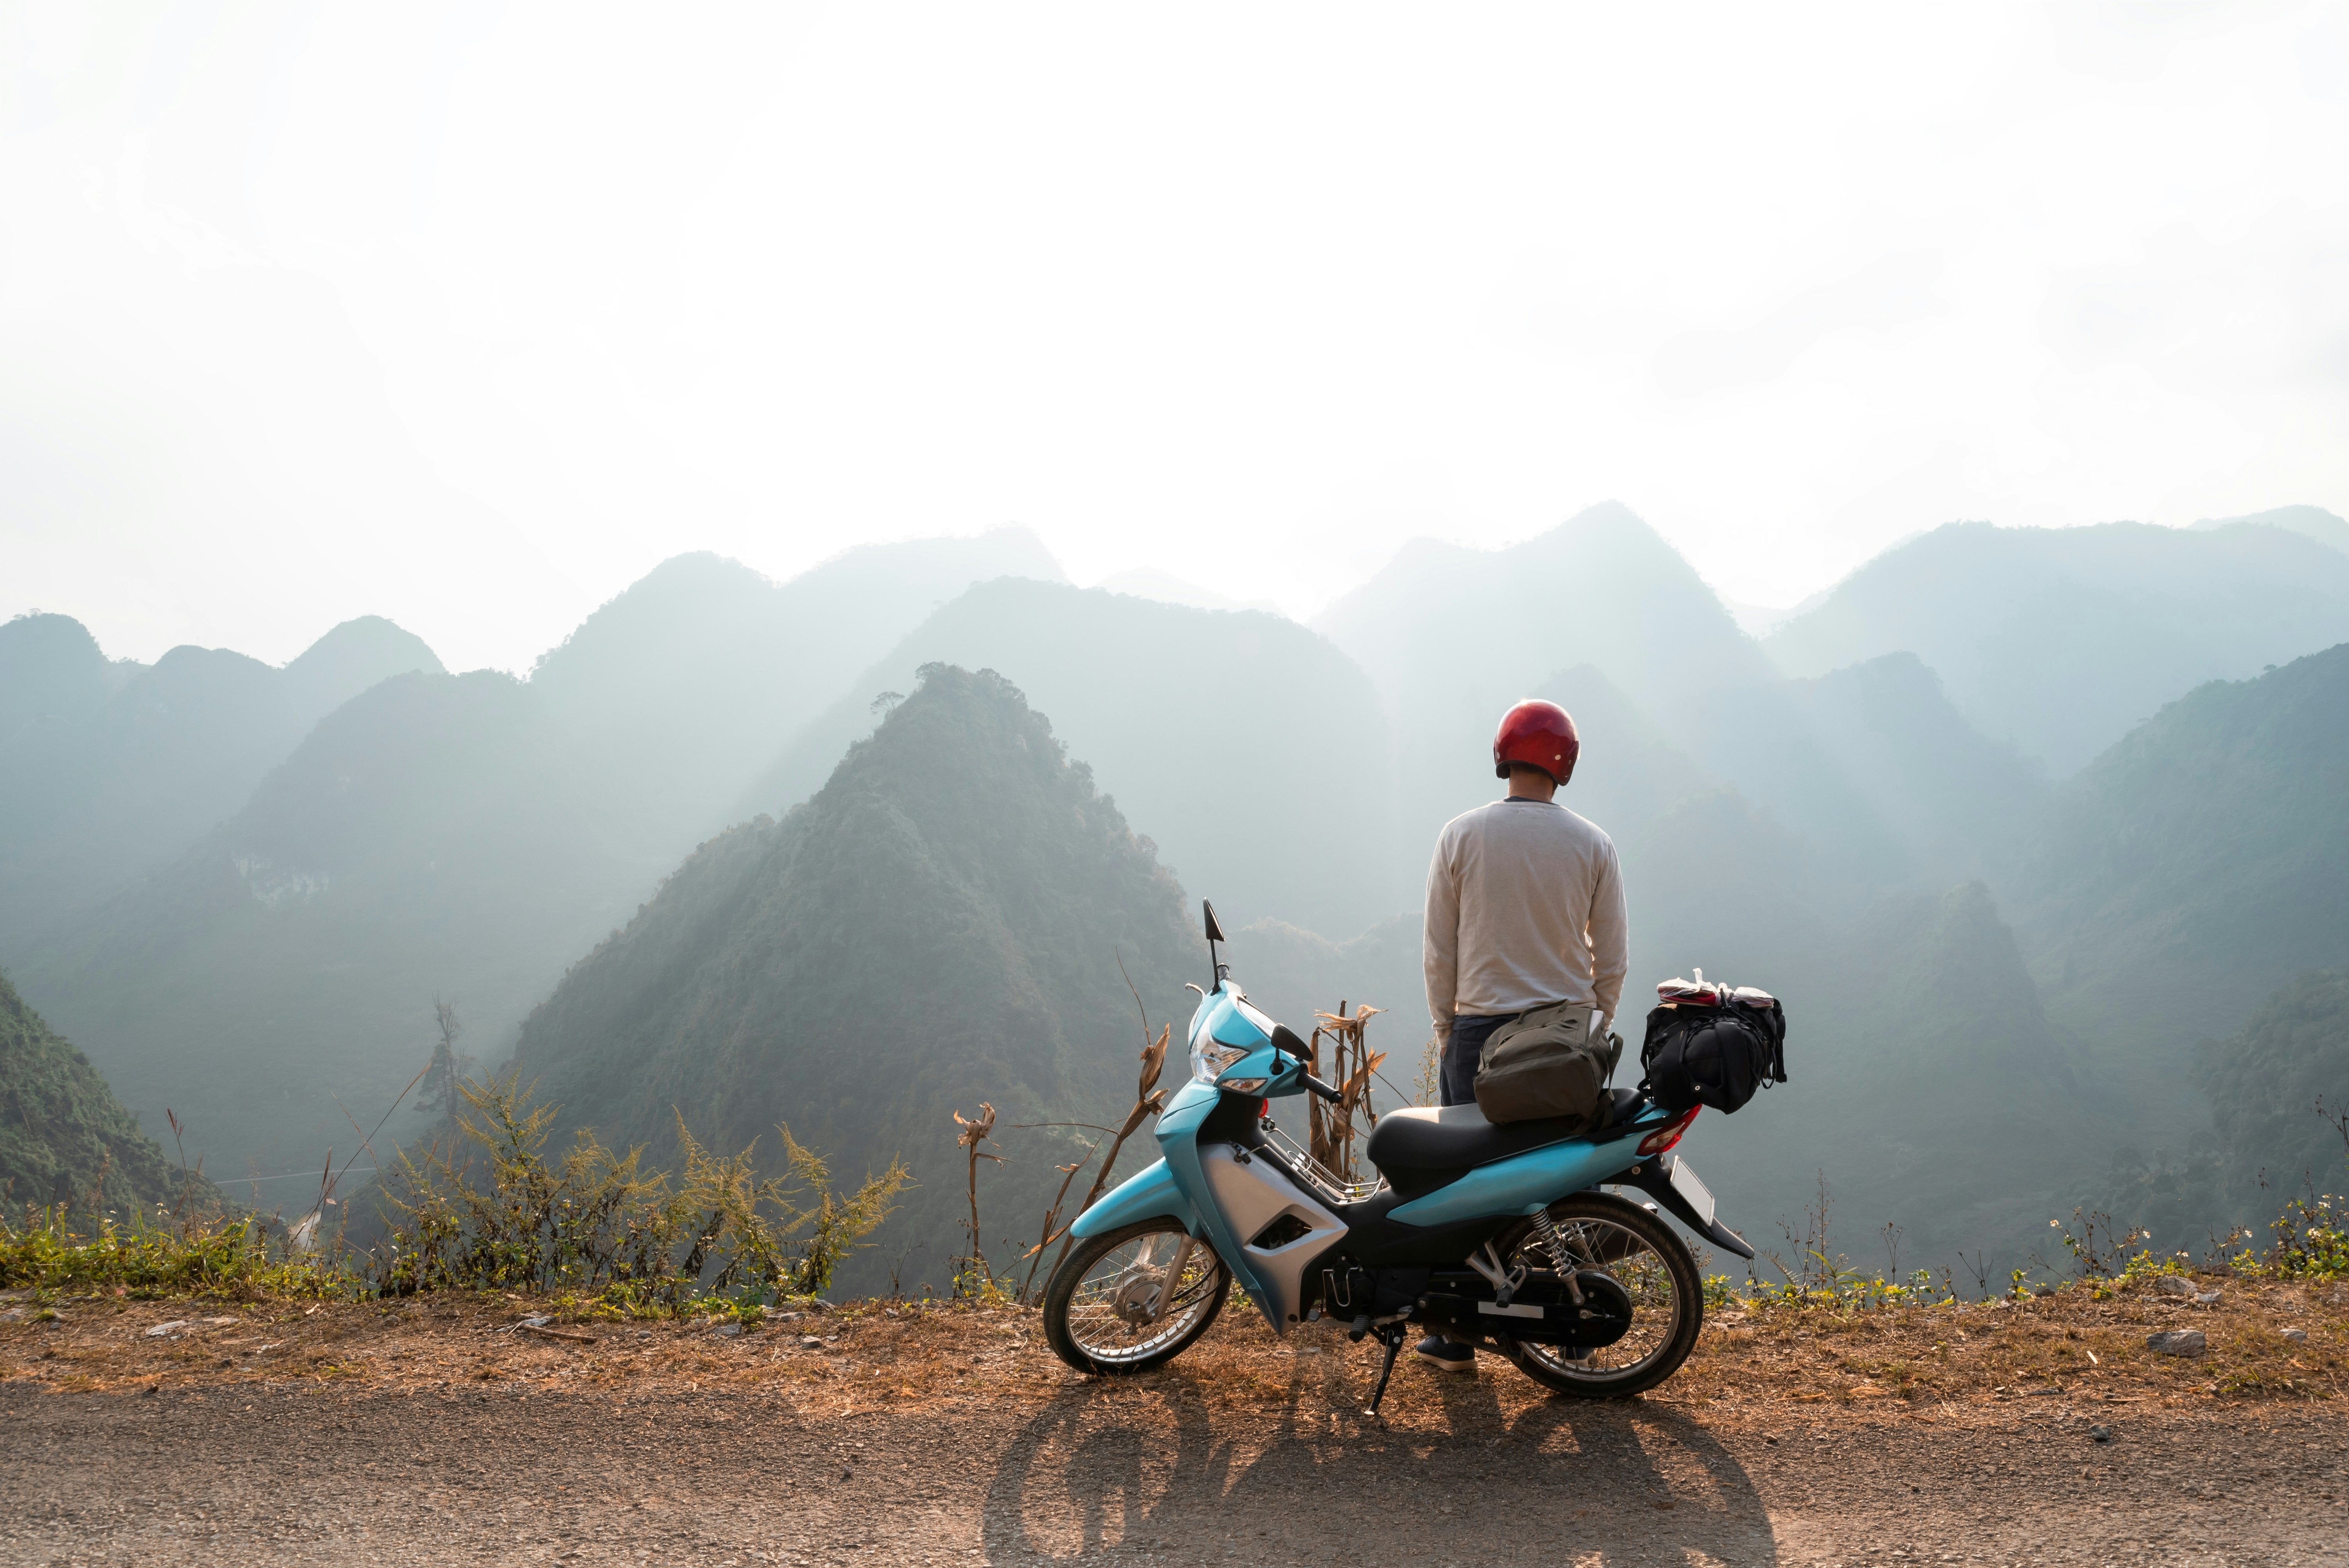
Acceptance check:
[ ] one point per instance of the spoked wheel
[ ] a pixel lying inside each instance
(1108, 1308)
(1647, 1262)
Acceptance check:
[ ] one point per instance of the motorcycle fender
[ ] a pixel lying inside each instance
(1654, 1177)
(1147, 1194)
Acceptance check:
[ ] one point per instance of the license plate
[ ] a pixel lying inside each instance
(1698, 1196)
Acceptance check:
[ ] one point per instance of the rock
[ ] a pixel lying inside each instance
(2042, 1290)
(2337, 1297)
(2172, 1284)
(13, 1315)
(728, 1330)
(161, 1329)
(2297, 1336)
(2100, 1433)
(2179, 1342)
(810, 1342)
(2208, 1298)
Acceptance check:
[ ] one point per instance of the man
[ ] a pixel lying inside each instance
(1525, 908)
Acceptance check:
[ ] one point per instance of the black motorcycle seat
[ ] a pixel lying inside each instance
(1457, 1137)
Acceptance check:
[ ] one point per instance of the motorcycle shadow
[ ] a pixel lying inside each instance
(1173, 1466)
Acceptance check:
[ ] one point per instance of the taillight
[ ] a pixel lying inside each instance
(1664, 1136)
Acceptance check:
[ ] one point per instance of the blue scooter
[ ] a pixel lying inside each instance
(1497, 1236)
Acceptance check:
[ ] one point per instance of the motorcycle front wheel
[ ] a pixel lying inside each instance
(1102, 1310)
(1640, 1253)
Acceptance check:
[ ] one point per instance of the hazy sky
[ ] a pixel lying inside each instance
(467, 314)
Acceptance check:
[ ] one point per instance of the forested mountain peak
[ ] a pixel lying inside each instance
(1133, 686)
(941, 923)
(2200, 862)
(65, 1135)
(314, 886)
(50, 670)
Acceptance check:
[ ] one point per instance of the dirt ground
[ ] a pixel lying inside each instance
(2046, 1432)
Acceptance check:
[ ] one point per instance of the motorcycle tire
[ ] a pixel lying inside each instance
(1061, 1293)
(1619, 1222)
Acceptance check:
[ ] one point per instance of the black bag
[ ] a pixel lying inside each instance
(1543, 1064)
(1715, 1053)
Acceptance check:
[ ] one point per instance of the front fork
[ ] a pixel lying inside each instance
(1174, 1277)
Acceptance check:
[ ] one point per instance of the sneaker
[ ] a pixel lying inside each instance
(1438, 1351)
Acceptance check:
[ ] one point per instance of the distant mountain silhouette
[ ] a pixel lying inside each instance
(2314, 521)
(347, 660)
(66, 1137)
(2266, 1141)
(701, 671)
(113, 777)
(464, 837)
(941, 923)
(51, 672)
(1711, 880)
(1149, 582)
(1925, 1084)
(2265, 1083)
(1877, 770)
(2059, 640)
(2192, 869)
(1253, 751)
(1451, 636)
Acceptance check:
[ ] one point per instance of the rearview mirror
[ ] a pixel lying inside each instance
(1215, 932)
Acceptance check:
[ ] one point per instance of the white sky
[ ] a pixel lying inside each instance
(467, 315)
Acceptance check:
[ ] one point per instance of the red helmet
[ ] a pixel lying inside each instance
(1537, 733)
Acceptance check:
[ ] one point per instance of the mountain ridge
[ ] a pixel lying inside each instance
(903, 944)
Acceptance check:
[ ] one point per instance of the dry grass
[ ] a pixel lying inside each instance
(1760, 1364)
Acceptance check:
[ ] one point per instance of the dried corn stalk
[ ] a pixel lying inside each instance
(1334, 1129)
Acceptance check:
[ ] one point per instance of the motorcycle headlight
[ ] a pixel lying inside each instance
(1208, 1058)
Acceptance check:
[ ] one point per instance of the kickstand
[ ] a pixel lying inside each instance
(1393, 1336)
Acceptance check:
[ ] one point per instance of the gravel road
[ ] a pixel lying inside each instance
(1125, 1473)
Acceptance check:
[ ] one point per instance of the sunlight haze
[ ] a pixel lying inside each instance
(470, 316)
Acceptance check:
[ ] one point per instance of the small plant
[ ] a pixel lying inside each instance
(2099, 1249)
(596, 1224)
(1429, 1088)
(975, 1130)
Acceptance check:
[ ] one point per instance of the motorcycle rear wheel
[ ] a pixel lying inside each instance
(1640, 1253)
(1093, 1306)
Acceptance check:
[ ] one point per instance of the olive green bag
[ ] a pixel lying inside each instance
(1542, 1064)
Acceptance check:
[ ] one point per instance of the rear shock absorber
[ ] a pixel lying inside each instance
(1554, 1245)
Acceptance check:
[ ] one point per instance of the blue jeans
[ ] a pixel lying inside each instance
(1462, 1052)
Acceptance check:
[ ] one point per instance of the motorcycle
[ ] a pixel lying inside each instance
(1501, 1236)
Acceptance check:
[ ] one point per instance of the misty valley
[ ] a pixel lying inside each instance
(2037, 834)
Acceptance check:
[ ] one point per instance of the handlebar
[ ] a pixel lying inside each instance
(1318, 1087)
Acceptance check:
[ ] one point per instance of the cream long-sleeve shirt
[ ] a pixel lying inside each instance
(1524, 906)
